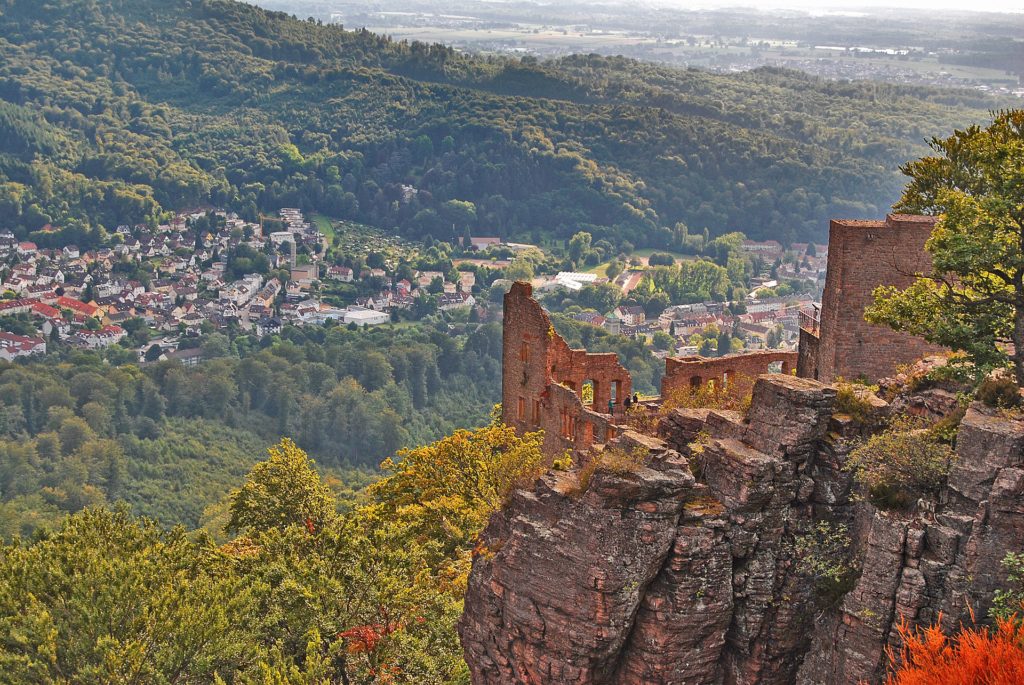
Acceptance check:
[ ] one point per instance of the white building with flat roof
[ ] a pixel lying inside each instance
(365, 317)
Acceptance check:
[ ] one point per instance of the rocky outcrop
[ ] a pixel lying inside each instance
(684, 570)
(943, 561)
(556, 592)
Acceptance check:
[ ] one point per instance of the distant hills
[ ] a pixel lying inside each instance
(112, 111)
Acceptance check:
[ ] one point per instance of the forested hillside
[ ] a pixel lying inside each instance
(303, 594)
(112, 111)
(171, 440)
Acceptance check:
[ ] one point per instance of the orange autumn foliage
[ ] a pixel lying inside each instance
(977, 656)
(362, 639)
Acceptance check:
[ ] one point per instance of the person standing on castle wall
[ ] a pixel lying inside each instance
(627, 403)
(636, 398)
(611, 407)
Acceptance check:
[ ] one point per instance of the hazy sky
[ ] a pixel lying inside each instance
(973, 5)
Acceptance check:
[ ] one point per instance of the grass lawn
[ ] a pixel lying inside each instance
(646, 252)
(325, 226)
(602, 269)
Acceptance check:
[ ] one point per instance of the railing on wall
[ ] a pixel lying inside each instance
(810, 321)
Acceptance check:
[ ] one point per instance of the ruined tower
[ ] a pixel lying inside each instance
(863, 255)
(547, 385)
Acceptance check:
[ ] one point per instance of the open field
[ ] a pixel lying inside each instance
(919, 67)
(325, 226)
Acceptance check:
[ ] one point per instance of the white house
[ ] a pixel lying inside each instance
(104, 337)
(13, 346)
(340, 273)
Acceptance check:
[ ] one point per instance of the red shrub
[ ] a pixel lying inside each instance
(977, 656)
(362, 639)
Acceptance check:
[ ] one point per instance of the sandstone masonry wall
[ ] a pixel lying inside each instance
(695, 371)
(861, 256)
(544, 381)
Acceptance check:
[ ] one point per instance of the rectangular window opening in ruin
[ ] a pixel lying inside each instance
(587, 392)
(521, 408)
(536, 412)
(524, 352)
(615, 388)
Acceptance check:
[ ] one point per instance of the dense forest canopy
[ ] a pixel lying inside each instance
(304, 594)
(170, 439)
(113, 111)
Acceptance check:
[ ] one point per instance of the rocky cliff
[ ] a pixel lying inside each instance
(684, 568)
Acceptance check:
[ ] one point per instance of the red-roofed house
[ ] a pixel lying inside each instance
(79, 307)
(45, 310)
(13, 346)
(8, 307)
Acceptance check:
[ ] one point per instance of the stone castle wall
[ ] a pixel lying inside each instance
(693, 372)
(861, 256)
(807, 354)
(544, 381)
(566, 392)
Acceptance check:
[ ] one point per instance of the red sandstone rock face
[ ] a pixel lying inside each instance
(556, 602)
(656, 577)
(649, 578)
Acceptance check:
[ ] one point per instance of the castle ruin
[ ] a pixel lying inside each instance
(863, 255)
(548, 386)
(687, 565)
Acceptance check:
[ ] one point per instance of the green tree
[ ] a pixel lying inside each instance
(900, 464)
(112, 600)
(460, 213)
(153, 352)
(724, 346)
(602, 297)
(663, 341)
(1009, 600)
(973, 298)
(284, 490)
(579, 246)
(521, 269)
(215, 345)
